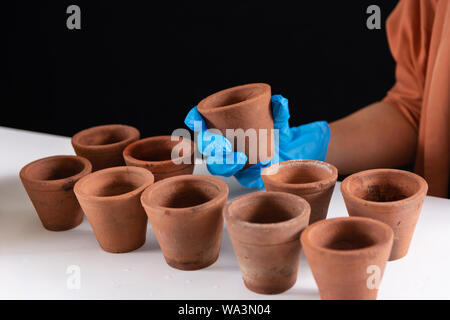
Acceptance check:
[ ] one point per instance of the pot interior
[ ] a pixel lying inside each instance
(113, 183)
(265, 208)
(104, 136)
(160, 149)
(299, 172)
(384, 187)
(183, 193)
(54, 169)
(346, 234)
(237, 95)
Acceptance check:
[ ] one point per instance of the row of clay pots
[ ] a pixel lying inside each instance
(392, 197)
(116, 145)
(49, 182)
(384, 205)
(184, 211)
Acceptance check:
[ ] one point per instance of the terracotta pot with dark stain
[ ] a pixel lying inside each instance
(110, 198)
(161, 155)
(392, 196)
(243, 107)
(312, 180)
(264, 228)
(49, 183)
(347, 256)
(103, 145)
(186, 215)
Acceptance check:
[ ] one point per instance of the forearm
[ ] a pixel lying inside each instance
(377, 136)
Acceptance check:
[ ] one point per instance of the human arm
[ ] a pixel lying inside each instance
(377, 136)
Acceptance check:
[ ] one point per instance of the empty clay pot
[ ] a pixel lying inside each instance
(155, 154)
(389, 195)
(243, 107)
(103, 145)
(186, 215)
(312, 180)
(49, 183)
(110, 198)
(264, 228)
(347, 256)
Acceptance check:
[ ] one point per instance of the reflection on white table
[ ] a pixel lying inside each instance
(34, 262)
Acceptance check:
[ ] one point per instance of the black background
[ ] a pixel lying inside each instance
(146, 65)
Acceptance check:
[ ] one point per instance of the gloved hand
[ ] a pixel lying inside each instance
(309, 141)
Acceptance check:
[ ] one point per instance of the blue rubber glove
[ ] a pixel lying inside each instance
(309, 141)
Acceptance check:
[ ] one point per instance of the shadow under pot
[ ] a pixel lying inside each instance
(245, 107)
(110, 198)
(310, 179)
(264, 228)
(49, 184)
(392, 196)
(186, 216)
(161, 155)
(347, 256)
(103, 145)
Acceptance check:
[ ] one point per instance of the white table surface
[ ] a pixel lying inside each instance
(34, 261)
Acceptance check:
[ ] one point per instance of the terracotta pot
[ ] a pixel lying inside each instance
(103, 145)
(264, 228)
(186, 215)
(347, 256)
(49, 183)
(243, 107)
(110, 198)
(312, 180)
(155, 154)
(392, 196)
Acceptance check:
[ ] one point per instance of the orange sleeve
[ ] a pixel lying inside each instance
(409, 32)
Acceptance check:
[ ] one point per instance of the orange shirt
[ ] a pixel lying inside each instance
(419, 38)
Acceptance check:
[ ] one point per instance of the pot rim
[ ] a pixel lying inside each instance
(133, 134)
(221, 185)
(314, 186)
(423, 187)
(127, 151)
(272, 225)
(87, 168)
(381, 225)
(264, 86)
(149, 179)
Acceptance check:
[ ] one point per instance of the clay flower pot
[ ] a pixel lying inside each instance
(110, 198)
(347, 256)
(49, 183)
(264, 228)
(243, 107)
(155, 154)
(103, 145)
(186, 215)
(392, 196)
(312, 180)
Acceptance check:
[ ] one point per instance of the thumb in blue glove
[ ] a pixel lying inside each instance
(221, 160)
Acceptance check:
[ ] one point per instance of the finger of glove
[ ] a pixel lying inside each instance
(195, 121)
(226, 165)
(251, 177)
(211, 144)
(281, 115)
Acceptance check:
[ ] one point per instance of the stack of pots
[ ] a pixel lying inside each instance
(98, 183)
